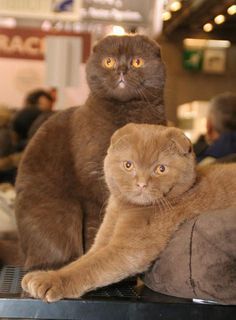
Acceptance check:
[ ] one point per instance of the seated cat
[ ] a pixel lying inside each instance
(61, 193)
(155, 186)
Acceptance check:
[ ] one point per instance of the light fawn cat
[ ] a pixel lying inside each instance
(155, 186)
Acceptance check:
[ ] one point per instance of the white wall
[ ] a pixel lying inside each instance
(19, 76)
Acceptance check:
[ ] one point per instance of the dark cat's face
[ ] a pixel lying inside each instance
(149, 164)
(125, 68)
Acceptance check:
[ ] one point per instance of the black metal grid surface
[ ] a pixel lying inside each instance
(10, 284)
(122, 301)
(10, 279)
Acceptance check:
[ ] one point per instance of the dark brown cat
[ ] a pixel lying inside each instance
(151, 174)
(60, 189)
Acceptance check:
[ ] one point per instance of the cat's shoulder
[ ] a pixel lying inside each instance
(59, 121)
(56, 128)
(217, 169)
(63, 115)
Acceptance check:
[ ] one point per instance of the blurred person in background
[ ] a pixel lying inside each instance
(36, 103)
(220, 139)
(6, 138)
(13, 139)
(7, 144)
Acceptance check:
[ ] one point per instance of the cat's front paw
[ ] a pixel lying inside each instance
(45, 285)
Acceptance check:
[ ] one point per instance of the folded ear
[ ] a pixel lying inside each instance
(119, 134)
(179, 139)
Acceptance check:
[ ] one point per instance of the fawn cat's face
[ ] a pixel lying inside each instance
(125, 68)
(149, 164)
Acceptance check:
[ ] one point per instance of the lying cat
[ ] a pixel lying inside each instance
(61, 192)
(151, 174)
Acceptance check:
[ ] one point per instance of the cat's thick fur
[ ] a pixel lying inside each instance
(61, 193)
(155, 186)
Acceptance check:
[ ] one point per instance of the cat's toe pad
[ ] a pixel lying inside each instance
(43, 285)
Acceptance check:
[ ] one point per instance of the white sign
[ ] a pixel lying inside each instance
(214, 61)
(117, 10)
(40, 9)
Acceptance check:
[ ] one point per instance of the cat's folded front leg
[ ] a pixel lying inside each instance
(108, 265)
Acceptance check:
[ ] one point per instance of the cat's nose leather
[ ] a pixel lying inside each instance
(141, 184)
(122, 77)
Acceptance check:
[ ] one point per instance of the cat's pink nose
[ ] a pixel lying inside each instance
(141, 184)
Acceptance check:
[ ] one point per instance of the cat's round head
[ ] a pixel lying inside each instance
(125, 68)
(149, 164)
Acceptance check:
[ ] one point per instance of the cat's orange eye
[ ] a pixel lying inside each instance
(128, 165)
(137, 62)
(109, 62)
(161, 169)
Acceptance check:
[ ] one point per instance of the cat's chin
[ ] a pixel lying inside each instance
(140, 200)
(121, 97)
(123, 93)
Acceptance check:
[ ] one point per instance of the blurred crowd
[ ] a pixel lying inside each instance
(219, 143)
(18, 127)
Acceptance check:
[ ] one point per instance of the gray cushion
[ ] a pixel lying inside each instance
(200, 260)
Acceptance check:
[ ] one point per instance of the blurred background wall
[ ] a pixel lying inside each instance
(185, 86)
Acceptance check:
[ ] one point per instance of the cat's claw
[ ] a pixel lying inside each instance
(45, 285)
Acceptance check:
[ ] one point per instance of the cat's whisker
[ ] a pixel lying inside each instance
(102, 178)
(163, 206)
(156, 207)
(101, 211)
(143, 95)
(91, 166)
(137, 82)
(148, 89)
(141, 92)
(167, 203)
(95, 164)
(95, 172)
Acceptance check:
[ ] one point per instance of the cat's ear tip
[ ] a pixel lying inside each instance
(94, 49)
(158, 50)
(182, 142)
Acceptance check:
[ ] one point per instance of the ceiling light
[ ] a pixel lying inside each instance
(219, 19)
(58, 25)
(175, 6)
(208, 27)
(166, 16)
(118, 31)
(232, 10)
(8, 22)
(46, 25)
(218, 43)
(203, 43)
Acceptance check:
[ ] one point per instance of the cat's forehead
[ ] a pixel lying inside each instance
(144, 147)
(150, 149)
(127, 45)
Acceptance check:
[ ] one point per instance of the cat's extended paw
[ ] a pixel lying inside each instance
(45, 285)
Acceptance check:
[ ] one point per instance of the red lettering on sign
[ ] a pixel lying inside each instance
(30, 43)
